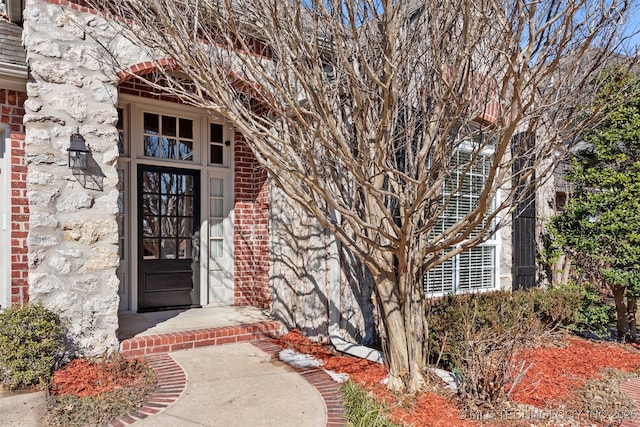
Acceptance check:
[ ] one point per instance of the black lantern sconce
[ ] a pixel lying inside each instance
(78, 151)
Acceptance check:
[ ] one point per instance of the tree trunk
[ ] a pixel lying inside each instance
(622, 322)
(414, 319)
(404, 332)
(632, 308)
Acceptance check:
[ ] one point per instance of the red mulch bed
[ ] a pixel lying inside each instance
(427, 409)
(84, 378)
(554, 373)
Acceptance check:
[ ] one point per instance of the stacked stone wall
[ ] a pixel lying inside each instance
(73, 233)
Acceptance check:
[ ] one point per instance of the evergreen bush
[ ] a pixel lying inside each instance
(33, 344)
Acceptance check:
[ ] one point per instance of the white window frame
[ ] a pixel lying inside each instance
(492, 242)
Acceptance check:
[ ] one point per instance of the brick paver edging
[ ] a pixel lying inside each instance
(163, 343)
(632, 389)
(327, 387)
(171, 384)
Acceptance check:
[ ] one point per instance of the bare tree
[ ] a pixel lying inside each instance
(382, 117)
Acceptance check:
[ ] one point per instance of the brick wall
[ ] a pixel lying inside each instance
(11, 103)
(251, 239)
(133, 86)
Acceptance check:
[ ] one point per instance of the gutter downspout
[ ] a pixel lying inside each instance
(334, 302)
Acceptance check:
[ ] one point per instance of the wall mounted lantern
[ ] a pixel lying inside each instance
(78, 151)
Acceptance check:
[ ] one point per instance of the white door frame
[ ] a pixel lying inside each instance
(134, 107)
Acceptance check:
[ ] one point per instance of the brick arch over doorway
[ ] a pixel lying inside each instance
(251, 204)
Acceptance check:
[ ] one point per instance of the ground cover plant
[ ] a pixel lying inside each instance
(363, 409)
(94, 393)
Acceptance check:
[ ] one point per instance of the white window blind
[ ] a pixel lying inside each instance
(475, 268)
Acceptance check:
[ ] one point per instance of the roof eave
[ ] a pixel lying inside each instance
(13, 76)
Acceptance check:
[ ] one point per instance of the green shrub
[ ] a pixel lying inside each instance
(594, 313)
(32, 345)
(477, 336)
(454, 317)
(555, 307)
(451, 318)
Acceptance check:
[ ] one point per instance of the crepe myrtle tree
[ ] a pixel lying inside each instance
(376, 115)
(600, 227)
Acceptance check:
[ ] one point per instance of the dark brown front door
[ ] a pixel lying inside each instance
(168, 245)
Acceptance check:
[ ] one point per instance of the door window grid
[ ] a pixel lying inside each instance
(167, 222)
(216, 217)
(168, 137)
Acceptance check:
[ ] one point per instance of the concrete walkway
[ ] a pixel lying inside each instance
(215, 367)
(239, 385)
(21, 409)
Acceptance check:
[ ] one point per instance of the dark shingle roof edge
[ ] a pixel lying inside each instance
(11, 49)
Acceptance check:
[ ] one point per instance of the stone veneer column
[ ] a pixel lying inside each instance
(73, 235)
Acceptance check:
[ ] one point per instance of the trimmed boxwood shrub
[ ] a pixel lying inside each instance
(33, 344)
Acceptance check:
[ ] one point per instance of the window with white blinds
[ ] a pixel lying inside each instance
(477, 267)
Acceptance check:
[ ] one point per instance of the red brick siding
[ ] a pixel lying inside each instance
(133, 86)
(12, 111)
(79, 5)
(251, 239)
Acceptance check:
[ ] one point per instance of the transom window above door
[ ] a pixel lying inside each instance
(168, 137)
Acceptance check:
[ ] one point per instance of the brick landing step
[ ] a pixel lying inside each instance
(143, 345)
